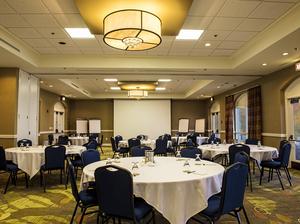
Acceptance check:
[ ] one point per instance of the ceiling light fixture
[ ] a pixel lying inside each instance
(137, 93)
(160, 88)
(50, 86)
(115, 88)
(110, 80)
(285, 54)
(264, 64)
(164, 80)
(132, 30)
(83, 33)
(207, 44)
(189, 34)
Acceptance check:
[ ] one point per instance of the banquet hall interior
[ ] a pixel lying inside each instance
(162, 111)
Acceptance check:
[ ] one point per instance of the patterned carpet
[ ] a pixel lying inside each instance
(267, 204)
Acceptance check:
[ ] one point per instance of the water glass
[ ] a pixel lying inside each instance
(135, 168)
(186, 166)
(108, 162)
(178, 155)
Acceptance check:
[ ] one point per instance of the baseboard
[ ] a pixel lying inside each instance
(295, 165)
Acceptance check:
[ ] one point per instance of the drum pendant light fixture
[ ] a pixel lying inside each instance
(132, 30)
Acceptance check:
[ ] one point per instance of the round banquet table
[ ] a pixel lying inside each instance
(176, 194)
(258, 153)
(79, 140)
(181, 139)
(30, 159)
(150, 143)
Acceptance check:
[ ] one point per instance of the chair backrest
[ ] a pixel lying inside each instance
(24, 142)
(113, 144)
(250, 141)
(193, 138)
(281, 144)
(241, 157)
(137, 151)
(190, 152)
(90, 156)
(233, 149)
(94, 137)
(168, 137)
(117, 139)
(233, 187)
(63, 140)
(114, 187)
(91, 145)
(2, 159)
(190, 143)
(101, 140)
(161, 145)
(50, 139)
(285, 154)
(71, 173)
(134, 142)
(55, 157)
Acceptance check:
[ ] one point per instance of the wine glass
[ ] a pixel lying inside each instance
(117, 157)
(198, 159)
(108, 162)
(27, 145)
(186, 166)
(135, 168)
(178, 155)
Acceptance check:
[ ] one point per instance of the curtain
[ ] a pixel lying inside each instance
(229, 107)
(254, 113)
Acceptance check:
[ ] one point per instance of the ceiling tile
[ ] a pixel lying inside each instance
(201, 52)
(70, 20)
(38, 42)
(13, 21)
(254, 24)
(158, 52)
(241, 36)
(47, 50)
(196, 22)
(213, 44)
(61, 6)
(293, 1)
(28, 6)
(205, 7)
(215, 35)
(91, 50)
(69, 50)
(52, 33)
(270, 10)
(176, 52)
(183, 44)
(219, 52)
(5, 8)
(231, 45)
(25, 32)
(237, 8)
(41, 20)
(86, 43)
(222, 23)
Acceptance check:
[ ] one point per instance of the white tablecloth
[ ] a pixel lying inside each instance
(149, 143)
(262, 153)
(79, 140)
(31, 159)
(200, 139)
(177, 195)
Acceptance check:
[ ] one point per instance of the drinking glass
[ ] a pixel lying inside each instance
(117, 157)
(27, 145)
(108, 162)
(178, 155)
(224, 142)
(135, 168)
(186, 166)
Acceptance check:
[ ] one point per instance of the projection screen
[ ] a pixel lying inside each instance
(149, 117)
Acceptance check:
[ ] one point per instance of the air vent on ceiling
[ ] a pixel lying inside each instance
(86, 92)
(75, 85)
(10, 45)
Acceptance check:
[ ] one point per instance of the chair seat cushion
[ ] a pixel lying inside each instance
(11, 167)
(270, 163)
(213, 206)
(88, 197)
(141, 208)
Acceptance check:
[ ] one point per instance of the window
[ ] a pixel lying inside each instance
(241, 118)
(215, 118)
(59, 117)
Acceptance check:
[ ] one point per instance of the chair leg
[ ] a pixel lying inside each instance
(237, 216)
(60, 176)
(261, 175)
(287, 175)
(253, 167)
(41, 178)
(7, 183)
(26, 180)
(153, 216)
(288, 172)
(277, 171)
(246, 216)
(67, 179)
(74, 213)
(250, 177)
(83, 213)
(44, 181)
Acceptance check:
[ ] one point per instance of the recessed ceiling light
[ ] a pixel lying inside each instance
(165, 80)
(50, 86)
(115, 88)
(79, 33)
(189, 34)
(207, 44)
(285, 53)
(41, 81)
(264, 64)
(218, 87)
(110, 80)
(62, 43)
(160, 88)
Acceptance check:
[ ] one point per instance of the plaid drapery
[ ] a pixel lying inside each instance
(229, 107)
(254, 113)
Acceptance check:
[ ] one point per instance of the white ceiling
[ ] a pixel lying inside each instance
(241, 33)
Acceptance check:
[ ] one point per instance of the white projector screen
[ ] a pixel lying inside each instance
(148, 117)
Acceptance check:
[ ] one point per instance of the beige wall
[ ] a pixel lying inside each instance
(192, 109)
(87, 109)
(8, 102)
(273, 105)
(47, 102)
